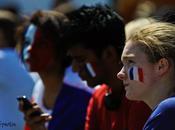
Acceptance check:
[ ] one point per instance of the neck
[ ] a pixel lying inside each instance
(53, 84)
(51, 81)
(158, 94)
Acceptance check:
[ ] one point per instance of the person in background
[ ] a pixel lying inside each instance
(95, 38)
(148, 72)
(14, 78)
(47, 56)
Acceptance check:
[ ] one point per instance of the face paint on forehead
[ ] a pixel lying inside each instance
(136, 73)
(29, 38)
(30, 33)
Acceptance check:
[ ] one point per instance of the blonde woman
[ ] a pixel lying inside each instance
(148, 72)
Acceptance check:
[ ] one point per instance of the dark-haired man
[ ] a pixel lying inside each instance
(95, 38)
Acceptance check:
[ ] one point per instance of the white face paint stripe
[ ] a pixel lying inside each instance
(135, 73)
(90, 69)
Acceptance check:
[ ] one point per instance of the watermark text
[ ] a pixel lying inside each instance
(6, 124)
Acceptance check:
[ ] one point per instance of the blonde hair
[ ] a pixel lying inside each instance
(136, 24)
(157, 40)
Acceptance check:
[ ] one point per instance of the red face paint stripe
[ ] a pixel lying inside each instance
(140, 72)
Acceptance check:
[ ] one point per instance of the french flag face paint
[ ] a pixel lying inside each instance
(29, 38)
(135, 73)
(30, 33)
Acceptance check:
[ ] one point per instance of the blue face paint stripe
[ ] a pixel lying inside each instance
(131, 74)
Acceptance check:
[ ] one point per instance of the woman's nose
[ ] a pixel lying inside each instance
(121, 74)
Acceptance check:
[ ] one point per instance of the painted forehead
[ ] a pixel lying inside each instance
(29, 38)
(38, 37)
(30, 33)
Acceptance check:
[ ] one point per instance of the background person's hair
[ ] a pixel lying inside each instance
(50, 24)
(96, 27)
(8, 24)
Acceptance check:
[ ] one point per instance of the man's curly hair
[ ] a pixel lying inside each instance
(96, 27)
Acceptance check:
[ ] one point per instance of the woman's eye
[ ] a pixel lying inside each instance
(130, 61)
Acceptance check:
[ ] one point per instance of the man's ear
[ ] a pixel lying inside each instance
(109, 54)
(163, 66)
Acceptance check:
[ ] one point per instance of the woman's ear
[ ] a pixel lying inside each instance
(163, 66)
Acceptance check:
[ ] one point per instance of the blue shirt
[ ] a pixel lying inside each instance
(163, 117)
(70, 109)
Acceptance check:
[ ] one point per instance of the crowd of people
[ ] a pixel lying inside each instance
(87, 68)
